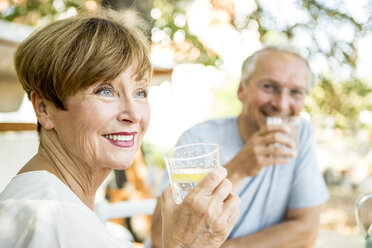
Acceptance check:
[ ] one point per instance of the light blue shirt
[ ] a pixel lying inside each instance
(265, 197)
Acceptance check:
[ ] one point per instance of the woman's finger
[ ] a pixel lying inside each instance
(167, 198)
(222, 191)
(230, 213)
(211, 181)
(232, 205)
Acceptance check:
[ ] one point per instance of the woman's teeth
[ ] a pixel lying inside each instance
(119, 137)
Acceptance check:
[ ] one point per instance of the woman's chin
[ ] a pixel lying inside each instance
(116, 161)
(123, 165)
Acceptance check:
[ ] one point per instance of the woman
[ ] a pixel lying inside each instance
(87, 78)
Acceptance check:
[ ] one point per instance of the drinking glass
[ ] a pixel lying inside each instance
(187, 165)
(293, 122)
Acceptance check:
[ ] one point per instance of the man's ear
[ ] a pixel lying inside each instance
(43, 109)
(240, 92)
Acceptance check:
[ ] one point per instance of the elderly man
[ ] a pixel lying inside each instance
(280, 186)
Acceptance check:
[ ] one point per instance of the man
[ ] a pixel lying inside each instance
(280, 187)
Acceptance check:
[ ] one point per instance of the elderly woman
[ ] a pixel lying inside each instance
(87, 78)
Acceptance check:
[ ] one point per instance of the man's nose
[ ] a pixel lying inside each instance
(282, 101)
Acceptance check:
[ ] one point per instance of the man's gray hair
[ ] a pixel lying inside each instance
(249, 63)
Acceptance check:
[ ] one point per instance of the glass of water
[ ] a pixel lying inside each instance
(293, 122)
(187, 165)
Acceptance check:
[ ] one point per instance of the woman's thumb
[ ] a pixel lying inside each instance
(167, 198)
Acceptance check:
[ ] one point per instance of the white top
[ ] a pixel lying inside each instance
(37, 210)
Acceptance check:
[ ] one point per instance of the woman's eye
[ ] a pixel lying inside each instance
(105, 90)
(142, 93)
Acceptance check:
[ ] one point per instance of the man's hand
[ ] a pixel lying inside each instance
(269, 146)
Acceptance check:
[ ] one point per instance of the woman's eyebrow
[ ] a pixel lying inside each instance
(143, 82)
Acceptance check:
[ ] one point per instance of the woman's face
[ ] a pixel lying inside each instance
(104, 124)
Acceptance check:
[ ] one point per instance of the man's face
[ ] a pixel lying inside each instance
(277, 87)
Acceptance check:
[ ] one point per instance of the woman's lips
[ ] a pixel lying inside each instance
(122, 139)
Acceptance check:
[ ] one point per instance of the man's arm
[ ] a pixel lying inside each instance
(299, 230)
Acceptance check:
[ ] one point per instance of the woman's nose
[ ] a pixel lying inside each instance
(129, 111)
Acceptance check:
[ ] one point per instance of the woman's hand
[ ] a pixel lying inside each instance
(204, 218)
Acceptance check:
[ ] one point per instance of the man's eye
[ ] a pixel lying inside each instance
(297, 93)
(142, 93)
(267, 87)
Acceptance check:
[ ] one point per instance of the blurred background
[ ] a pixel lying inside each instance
(197, 47)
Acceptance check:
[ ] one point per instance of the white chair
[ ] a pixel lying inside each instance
(107, 210)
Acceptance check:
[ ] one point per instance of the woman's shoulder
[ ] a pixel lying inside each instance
(40, 209)
(28, 207)
(32, 185)
(36, 196)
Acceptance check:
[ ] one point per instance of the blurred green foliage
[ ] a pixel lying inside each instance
(227, 103)
(153, 155)
(30, 12)
(169, 11)
(343, 100)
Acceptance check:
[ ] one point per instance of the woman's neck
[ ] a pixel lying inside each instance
(83, 179)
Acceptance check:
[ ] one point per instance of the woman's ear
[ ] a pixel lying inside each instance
(43, 109)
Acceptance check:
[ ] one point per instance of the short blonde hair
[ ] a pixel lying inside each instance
(68, 55)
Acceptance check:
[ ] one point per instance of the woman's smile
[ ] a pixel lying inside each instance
(122, 139)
